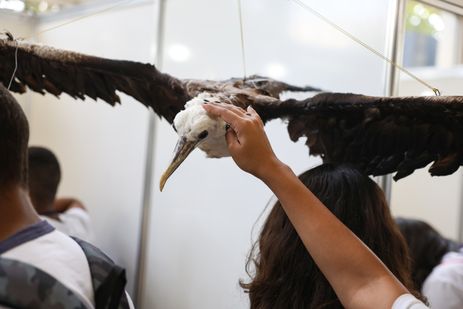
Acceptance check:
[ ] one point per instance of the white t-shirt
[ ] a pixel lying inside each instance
(59, 256)
(444, 286)
(408, 301)
(74, 222)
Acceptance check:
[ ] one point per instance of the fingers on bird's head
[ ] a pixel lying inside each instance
(224, 111)
(232, 114)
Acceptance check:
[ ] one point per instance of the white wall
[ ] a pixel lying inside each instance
(201, 224)
(436, 200)
(102, 149)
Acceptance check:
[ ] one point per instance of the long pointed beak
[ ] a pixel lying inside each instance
(182, 150)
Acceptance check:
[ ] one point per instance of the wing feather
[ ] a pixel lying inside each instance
(380, 135)
(45, 69)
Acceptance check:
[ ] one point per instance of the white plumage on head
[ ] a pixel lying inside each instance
(195, 125)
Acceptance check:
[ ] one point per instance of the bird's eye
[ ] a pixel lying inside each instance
(203, 134)
(173, 126)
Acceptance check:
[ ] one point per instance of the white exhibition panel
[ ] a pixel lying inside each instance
(102, 149)
(201, 225)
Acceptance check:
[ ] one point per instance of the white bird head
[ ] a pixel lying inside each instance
(197, 129)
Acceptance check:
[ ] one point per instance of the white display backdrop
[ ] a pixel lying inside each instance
(102, 149)
(201, 224)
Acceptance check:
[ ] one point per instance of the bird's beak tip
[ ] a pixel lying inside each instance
(162, 183)
(182, 150)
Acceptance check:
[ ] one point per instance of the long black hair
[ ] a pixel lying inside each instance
(284, 275)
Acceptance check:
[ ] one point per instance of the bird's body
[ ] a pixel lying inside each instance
(196, 126)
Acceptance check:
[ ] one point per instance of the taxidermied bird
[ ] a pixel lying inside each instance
(379, 135)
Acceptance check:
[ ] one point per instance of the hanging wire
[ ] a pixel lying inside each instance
(243, 54)
(15, 64)
(374, 51)
(12, 38)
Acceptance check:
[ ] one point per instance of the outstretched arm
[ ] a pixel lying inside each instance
(358, 277)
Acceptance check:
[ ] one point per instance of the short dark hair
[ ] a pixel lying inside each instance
(14, 136)
(44, 177)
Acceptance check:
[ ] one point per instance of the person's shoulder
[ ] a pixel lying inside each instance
(51, 246)
(62, 258)
(408, 301)
(76, 222)
(75, 216)
(444, 286)
(55, 223)
(450, 269)
(58, 237)
(75, 211)
(446, 278)
(53, 243)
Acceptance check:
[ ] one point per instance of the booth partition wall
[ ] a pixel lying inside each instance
(187, 246)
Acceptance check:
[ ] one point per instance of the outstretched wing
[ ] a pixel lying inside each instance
(45, 69)
(380, 135)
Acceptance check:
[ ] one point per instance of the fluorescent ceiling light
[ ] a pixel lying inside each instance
(179, 53)
(276, 70)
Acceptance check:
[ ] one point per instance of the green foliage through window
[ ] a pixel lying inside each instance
(423, 18)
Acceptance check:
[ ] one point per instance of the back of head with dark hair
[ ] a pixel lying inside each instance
(426, 247)
(14, 136)
(44, 178)
(286, 275)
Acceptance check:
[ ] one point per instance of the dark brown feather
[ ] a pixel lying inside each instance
(45, 69)
(380, 135)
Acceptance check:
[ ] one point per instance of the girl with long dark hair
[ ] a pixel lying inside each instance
(357, 277)
(284, 275)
